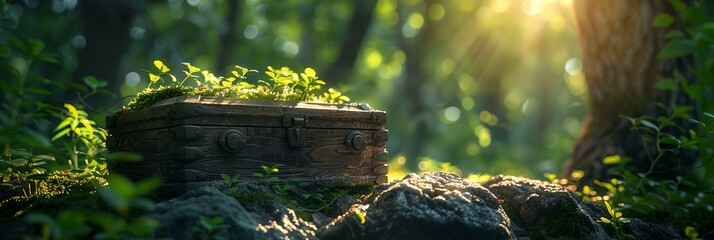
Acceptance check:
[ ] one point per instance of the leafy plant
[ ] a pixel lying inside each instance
(674, 134)
(124, 199)
(267, 174)
(616, 221)
(22, 169)
(691, 233)
(282, 189)
(267, 177)
(229, 181)
(76, 125)
(208, 227)
(283, 84)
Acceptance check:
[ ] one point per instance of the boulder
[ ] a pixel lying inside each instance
(431, 206)
(179, 216)
(545, 211)
(263, 220)
(277, 220)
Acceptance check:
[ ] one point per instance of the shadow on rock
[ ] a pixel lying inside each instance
(431, 206)
(262, 219)
(541, 210)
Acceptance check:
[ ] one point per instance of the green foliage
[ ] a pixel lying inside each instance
(93, 221)
(677, 132)
(616, 221)
(267, 174)
(208, 227)
(283, 85)
(229, 181)
(42, 194)
(22, 167)
(76, 125)
(691, 232)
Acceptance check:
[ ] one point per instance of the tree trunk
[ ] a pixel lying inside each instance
(619, 49)
(352, 42)
(228, 38)
(106, 29)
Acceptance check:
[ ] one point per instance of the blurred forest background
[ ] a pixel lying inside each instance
(490, 86)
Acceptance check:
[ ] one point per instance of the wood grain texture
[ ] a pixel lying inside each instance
(619, 47)
(185, 148)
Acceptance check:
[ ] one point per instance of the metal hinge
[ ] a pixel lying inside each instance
(187, 132)
(297, 134)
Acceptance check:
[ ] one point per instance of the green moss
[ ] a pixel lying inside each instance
(150, 96)
(59, 190)
(283, 85)
(562, 223)
(247, 198)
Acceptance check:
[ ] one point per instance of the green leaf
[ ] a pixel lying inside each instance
(35, 47)
(64, 123)
(88, 126)
(609, 209)
(612, 159)
(153, 77)
(649, 124)
(695, 121)
(191, 68)
(691, 232)
(679, 5)
(160, 65)
(662, 20)
(47, 58)
(666, 84)
(43, 157)
(707, 29)
(61, 134)
(5, 50)
(21, 46)
(19, 162)
(694, 16)
(360, 217)
(667, 138)
(676, 48)
(38, 170)
(310, 72)
(674, 34)
(94, 83)
(72, 110)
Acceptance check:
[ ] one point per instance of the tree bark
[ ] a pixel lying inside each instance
(106, 30)
(620, 64)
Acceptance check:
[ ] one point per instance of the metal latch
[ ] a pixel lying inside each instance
(297, 134)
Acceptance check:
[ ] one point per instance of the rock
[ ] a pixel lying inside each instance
(645, 230)
(178, 216)
(263, 219)
(431, 206)
(280, 221)
(544, 211)
(320, 219)
(341, 204)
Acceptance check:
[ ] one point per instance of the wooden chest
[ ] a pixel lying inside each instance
(192, 139)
